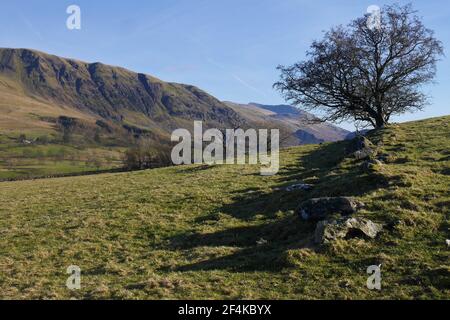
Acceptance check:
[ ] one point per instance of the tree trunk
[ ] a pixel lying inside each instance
(380, 122)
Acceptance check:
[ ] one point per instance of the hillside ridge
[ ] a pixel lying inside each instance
(111, 93)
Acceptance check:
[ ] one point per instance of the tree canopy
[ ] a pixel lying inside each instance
(365, 72)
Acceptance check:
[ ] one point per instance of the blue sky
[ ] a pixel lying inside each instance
(229, 48)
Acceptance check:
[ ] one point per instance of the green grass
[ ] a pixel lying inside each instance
(191, 232)
(18, 161)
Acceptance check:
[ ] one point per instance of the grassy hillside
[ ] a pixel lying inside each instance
(193, 231)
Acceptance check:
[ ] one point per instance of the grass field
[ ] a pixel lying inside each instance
(192, 232)
(19, 161)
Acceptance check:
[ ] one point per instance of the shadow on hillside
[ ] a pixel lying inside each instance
(280, 236)
(321, 168)
(194, 169)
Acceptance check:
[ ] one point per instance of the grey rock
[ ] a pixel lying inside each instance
(376, 162)
(384, 157)
(321, 208)
(300, 186)
(361, 148)
(362, 142)
(364, 153)
(346, 228)
(261, 242)
(359, 143)
(27, 142)
(370, 165)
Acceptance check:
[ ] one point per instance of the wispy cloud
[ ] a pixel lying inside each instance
(31, 27)
(236, 77)
(246, 84)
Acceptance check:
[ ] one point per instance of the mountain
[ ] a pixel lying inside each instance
(49, 86)
(295, 124)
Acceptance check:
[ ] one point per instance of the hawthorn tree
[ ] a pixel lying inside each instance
(365, 72)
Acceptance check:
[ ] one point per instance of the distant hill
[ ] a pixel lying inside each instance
(280, 109)
(294, 123)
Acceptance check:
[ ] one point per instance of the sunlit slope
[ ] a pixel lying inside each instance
(22, 113)
(110, 93)
(227, 232)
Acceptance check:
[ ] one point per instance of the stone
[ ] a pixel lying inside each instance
(362, 142)
(261, 242)
(384, 157)
(364, 153)
(359, 143)
(27, 142)
(448, 243)
(370, 165)
(300, 186)
(361, 148)
(321, 208)
(346, 228)
(377, 162)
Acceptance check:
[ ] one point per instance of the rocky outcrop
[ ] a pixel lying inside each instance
(345, 228)
(361, 148)
(321, 208)
(365, 153)
(359, 143)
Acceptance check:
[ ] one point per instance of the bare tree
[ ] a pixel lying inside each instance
(147, 154)
(366, 73)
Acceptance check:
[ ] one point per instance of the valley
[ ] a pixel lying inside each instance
(63, 116)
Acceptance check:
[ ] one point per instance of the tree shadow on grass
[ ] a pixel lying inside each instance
(194, 169)
(263, 258)
(323, 168)
(274, 238)
(285, 229)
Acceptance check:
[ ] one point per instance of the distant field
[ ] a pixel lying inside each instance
(21, 161)
(191, 232)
